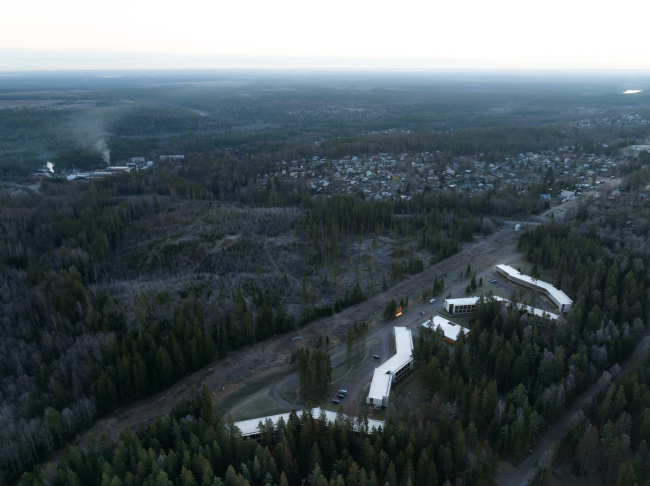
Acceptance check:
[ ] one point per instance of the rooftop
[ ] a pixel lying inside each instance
(463, 301)
(531, 310)
(450, 329)
(380, 385)
(556, 294)
(251, 426)
(403, 341)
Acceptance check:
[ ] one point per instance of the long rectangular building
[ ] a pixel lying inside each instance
(559, 298)
(251, 428)
(391, 370)
(467, 305)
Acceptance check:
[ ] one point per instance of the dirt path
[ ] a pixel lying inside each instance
(229, 374)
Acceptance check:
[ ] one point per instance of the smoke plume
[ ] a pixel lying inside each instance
(101, 147)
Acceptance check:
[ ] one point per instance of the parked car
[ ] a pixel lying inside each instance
(376, 356)
(432, 301)
(341, 395)
(345, 392)
(423, 313)
(493, 281)
(336, 402)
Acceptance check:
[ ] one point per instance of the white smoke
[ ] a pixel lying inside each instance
(101, 147)
(50, 167)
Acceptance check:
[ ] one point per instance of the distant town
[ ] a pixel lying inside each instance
(384, 176)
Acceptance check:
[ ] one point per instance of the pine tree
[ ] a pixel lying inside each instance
(586, 447)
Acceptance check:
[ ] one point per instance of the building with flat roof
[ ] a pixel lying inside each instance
(450, 330)
(391, 370)
(467, 305)
(251, 428)
(464, 305)
(559, 298)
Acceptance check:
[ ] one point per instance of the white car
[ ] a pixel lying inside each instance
(432, 301)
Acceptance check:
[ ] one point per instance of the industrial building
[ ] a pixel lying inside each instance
(392, 370)
(450, 329)
(559, 298)
(251, 428)
(466, 306)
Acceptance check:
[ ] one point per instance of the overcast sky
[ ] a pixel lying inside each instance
(426, 33)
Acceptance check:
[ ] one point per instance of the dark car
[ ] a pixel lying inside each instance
(335, 401)
(493, 281)
(341, 395)
(376, 356)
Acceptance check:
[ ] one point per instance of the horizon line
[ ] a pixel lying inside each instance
(34, 60)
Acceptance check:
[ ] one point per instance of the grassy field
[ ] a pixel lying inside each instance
(259, 407)
(499, 291)
(250, 389)
(289, 395)
(339, 370)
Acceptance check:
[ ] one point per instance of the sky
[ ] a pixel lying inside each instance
(41, 34)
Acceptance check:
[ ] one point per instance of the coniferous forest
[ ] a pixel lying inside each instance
(174, 245)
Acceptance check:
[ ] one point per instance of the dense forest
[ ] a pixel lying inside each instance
(73, 351)
(115, 289)
(612, 432)
(541, 371)
(76, 353)
(194, 446)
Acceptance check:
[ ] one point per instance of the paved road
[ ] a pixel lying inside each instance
(411, 318)
(525, 472)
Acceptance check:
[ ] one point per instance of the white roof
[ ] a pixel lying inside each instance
(559, 296)
(450, 329)
(531, 310)
(381, 379)
(403, 341)
(395, 363)
(251, 426)
(380, 385)
(463, 301)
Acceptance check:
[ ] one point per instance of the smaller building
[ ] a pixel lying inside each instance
(450, 330)
(461, 306)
